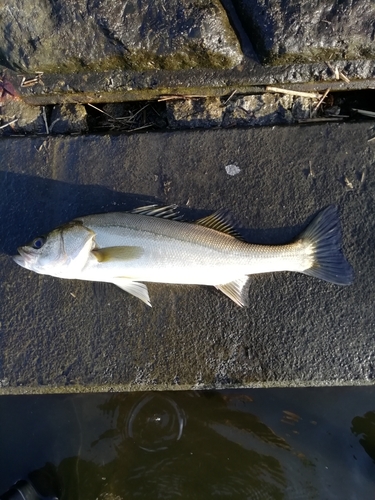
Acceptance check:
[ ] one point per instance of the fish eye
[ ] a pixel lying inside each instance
(38, 242)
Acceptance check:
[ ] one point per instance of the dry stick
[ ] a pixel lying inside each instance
(8, 124)
(178, 96)
(311, 95)
(344, 77)
(45, 119)
(321, 100)
(98, 109)
(140, 128)
(121, 119)
(131, 118)
(230, 97)
(364, 112)
(323, 119)
(338, 74)
(335, 71)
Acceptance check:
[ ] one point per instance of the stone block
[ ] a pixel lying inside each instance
(307, 31)
(70, 36)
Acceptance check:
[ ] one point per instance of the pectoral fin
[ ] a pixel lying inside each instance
(237, 290)
(117, 253)
(134, 288)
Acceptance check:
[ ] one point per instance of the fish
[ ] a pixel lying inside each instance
(154, 244)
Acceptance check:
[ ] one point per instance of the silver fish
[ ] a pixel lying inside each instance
(149, 244)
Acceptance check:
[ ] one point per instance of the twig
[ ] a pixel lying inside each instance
(344, 77)
(104, 113)
(229, 98)
(140, 128)
(131, 118)
(320, 101)
(9, 124)
(29, 82)
(311, 95)
(45, 119)
(323, 119)
(338, 74)
(364, 112)
(179, 96)
(335, 71)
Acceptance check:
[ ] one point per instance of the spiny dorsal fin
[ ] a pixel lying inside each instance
(237, 290)
(165, 212)
(117, 253)
(222, 221)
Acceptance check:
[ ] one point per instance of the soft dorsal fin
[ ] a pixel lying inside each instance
(222, 221)
(165, 212)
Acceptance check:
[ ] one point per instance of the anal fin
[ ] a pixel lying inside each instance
(135, 288)
(237, 290)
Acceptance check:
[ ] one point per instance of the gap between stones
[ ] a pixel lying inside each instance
(183, 112)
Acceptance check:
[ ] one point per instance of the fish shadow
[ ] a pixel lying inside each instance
(33, 206)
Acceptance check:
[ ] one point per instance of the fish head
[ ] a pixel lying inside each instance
(62, 252)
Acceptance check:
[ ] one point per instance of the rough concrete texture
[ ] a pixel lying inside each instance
(252, 110)
(293, 31)
(61, 335)
(68, 36)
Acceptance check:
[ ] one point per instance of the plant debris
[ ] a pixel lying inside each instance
(281, 106)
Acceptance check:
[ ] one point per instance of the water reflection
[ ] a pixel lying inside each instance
(218, 452)
(365, 427)
(155, 422)
(261, 444)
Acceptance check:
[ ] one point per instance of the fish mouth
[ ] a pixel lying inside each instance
(24, 259)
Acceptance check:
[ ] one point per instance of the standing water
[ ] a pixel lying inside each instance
(239, 444)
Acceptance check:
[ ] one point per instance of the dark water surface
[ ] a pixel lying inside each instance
(245, 444)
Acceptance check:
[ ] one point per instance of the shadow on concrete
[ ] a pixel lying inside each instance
(32, 206)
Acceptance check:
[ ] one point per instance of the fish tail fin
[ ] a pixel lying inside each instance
(323, 235)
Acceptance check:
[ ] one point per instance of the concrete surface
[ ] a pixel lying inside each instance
(75, 336)
(118, 51)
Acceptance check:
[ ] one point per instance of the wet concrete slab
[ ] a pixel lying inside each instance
(67, 336)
